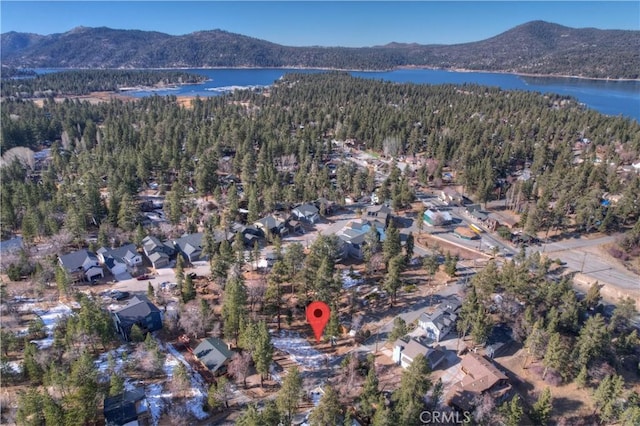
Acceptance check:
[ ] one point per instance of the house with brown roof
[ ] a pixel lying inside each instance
(480, 376)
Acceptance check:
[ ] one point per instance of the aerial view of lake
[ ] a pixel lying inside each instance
(607, 97)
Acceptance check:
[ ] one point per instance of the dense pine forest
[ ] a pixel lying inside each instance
(87, 81)
(278, 141)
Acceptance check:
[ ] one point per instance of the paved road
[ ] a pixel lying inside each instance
(581, 255)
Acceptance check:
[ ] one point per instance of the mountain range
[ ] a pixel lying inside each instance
(536, 47)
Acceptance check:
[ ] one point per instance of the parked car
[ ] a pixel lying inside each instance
(144, 277)
(119, 295)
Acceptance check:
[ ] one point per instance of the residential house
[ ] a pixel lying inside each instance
(158, 253)
(120, 261)
(405, 350)
(437, 218)
(271, 225)
(250, 234)
(353, 236)
(11, 246)
(481, 376)
(380, 214)
(442, 320)
(306, 213)
(214, 354)
(190, 246)
(450, 196)
(126, 408)
(139, 311)
(81, 265)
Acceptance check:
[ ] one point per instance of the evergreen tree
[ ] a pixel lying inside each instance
(542, 408)
(328, 411)
(370, 393)
(289, 395)
(556, 356)
(332, 330)
(392, 246)
(608, 398)
(512, 411)
(392, 280)
(410, 396)
(234, 307)
(263, 351)
(409, 245)
(188, 290)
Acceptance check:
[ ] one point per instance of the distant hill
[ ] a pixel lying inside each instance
(536, 47)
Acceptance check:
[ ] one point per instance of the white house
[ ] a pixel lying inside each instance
(441, 321)
(405, 351)
(307, 213)
(120, 261)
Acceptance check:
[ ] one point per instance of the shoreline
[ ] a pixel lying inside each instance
(401, 67)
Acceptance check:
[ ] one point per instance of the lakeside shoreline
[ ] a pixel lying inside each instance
(401, 67)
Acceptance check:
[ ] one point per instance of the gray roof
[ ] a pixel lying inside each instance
(121, 409)
(152, 244)
(157, 255)
(306, 210)
(73, 261)
(270, 222)
(190, 243)
(413, 347)
(8, 246)
(441, 318)
(128, 251)
(138, 307)
(213, 353)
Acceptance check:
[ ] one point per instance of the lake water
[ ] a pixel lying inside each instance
(607, 97)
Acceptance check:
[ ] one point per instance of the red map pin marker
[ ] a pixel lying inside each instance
(318, 316)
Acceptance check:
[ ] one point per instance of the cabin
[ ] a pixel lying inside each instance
(214, 354)
(405, 350)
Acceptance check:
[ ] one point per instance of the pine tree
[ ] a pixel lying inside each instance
(263, 350)
(392, 280)
(392, 246)
(542, 408)
(289, 395)
(607, 398)
(408, 247)
(556, 356)
(410, 396)
(370, 393)
(234, 307)
(188, 290)
(512, 411)
(328, 411)
(116, 385)
(332, 330)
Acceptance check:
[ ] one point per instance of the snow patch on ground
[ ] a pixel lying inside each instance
(198, 392)
(351, 279)
(16, 366)
(102, 363)
(50, 318)
(299, 349)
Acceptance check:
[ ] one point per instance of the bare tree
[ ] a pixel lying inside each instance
(256, 290)
(239, 366)
(192, 321)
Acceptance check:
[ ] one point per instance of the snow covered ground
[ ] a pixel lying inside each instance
(50, 317)
(351, 279)
(299, 349)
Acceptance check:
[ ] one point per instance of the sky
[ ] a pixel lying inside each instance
(319, 23)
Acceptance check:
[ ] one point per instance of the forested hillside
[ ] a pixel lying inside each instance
(87, 81)
(536, 47)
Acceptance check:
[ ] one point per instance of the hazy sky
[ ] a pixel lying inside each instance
(325, 23)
